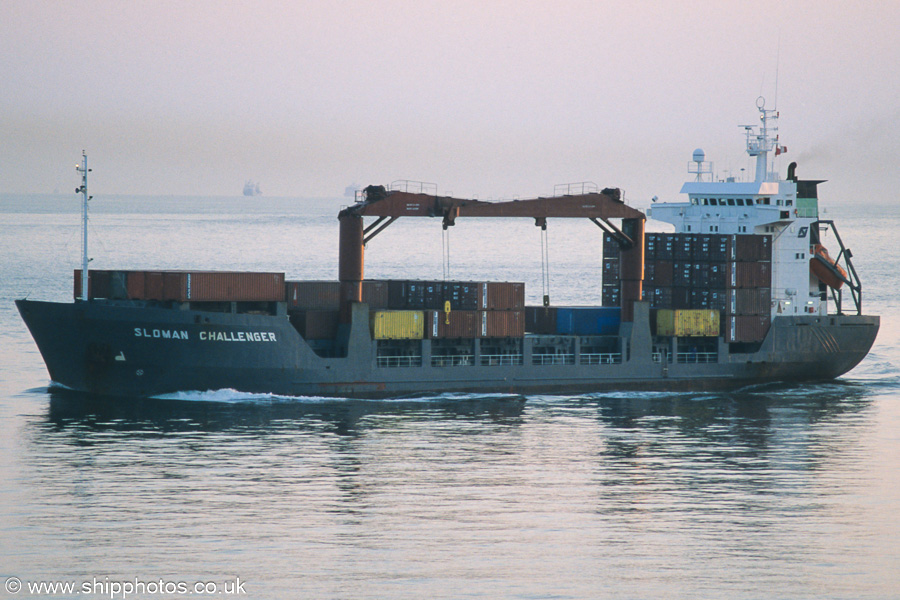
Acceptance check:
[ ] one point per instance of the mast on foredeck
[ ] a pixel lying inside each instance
(83, 190)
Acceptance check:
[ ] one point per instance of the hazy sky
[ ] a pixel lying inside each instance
(486, 98)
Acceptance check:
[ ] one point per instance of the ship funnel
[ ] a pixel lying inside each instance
(791, 175)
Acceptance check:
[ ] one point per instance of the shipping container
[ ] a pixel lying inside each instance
(407, 294)
(718, 299)
(185, 286)
(454, 324)
(153, 285)
(135, 285)
(397, 324)
(718, 276)
(748, 274)
(611, 269)
(611, 294)
(611, 247)
(174, 286)
(682, 274)
(98, 284)
(660, 297)
(663, 273)
(462, 295)
(749, 301)
(315, 324)
(687, 323)
(222, 286)
(588, 320)
(665, 246)
(700, 298)
(684, 247)
(700, 274)
(746, 328)
(540, 319)
(712, 248)
(502, 295)
(650, 273)
(375, 294)
(681, 297)
(502, 323)
(651, 243)
(751, 248)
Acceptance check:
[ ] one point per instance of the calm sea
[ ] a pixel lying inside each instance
(770, 492)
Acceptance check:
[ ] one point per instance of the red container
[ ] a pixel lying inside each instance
(748, 274)
(216, 286)
(663, 273)
(502, 323)
(135, 285)
(746, 328)
(315, 324)
(95, 284)
(175, 286)
(455, 324)
(502, 295)
(98, 284)
(751, 248)
(313, 295)
(749, 301)
(153, 285)
(375, 294)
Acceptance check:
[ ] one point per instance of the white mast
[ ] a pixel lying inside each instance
(762, 142)
(83, 190)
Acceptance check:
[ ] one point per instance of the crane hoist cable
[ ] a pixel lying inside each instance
(545, 260)
(445, 251)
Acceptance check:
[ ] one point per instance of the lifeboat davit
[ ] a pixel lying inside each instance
(826, 269)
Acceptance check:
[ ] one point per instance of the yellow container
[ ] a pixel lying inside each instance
(696, 323)
(687, 323)
(397, 324)
(665, 322)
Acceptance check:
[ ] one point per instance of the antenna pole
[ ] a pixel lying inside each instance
(83, 169)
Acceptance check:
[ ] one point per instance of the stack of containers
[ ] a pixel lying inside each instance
(313, 305)
(573, 320)
(491, 309)
(184, 286)
(611, 295)
(727, 273)
(413, 309)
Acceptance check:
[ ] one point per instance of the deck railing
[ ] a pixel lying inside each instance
(399, 361)
(697, 357)
(606, 358)
(553, 359)
(466, 360)
(496, 360)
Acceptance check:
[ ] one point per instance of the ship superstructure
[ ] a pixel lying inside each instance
(784, 209)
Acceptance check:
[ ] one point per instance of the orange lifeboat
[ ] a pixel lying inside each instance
(826, 269)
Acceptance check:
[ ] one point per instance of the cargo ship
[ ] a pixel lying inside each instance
(743, 291)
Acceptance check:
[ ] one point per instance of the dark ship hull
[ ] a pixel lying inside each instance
(124, 348)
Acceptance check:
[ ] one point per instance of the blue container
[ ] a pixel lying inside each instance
(588, 320)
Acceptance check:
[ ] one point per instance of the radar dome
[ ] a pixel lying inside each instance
(699, 155)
